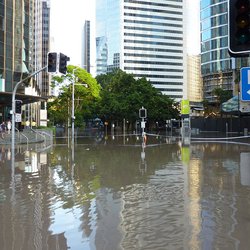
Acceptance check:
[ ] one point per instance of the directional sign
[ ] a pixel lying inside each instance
(245, 83)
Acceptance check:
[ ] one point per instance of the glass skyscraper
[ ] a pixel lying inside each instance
(14, 41)
(145, 38)
(216, 63)
(24, 44)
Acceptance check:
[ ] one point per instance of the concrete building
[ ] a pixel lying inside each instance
(195, 93)
(145, 38)
(194, 84)
(86, 47)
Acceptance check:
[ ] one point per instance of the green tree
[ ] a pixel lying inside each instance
(221, 96)
(122, 96)
(86, 95)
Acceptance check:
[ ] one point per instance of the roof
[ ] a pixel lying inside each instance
(231, 105)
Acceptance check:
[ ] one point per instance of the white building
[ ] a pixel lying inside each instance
(146, 38)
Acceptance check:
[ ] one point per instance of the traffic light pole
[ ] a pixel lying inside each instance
(14, 107)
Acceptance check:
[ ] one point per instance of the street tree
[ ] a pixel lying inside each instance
(86, 95)
(221, 95)
(122, 96)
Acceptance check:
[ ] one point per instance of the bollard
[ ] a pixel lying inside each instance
(245, 131)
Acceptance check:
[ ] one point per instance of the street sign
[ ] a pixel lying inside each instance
(18, 117)
(185, 107)
(244, 107)
(245, 83)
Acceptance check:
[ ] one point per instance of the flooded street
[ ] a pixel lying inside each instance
(116, 193)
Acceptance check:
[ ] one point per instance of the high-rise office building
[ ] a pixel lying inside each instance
(14, 42)
(216, 63)
(23, 50)
(194, 79)
(145, 38)
(86, 46)
(40, 48)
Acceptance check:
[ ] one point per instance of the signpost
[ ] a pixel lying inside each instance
(245, 83)
(143, 115)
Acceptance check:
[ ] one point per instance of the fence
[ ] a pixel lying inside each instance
(231, 124)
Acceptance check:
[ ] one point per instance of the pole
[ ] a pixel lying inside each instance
(73, 108)
(14, 104)
(13, 120)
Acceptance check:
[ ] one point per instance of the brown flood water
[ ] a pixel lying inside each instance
(116, 194)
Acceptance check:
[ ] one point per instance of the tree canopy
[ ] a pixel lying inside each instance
(122, 96)
(112, 97)
(86, 94)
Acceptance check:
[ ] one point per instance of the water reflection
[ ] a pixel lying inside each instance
(117, 193)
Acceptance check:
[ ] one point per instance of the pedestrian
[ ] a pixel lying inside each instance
(9, 126)
(1, 132)
(27, 124)
(2, 129)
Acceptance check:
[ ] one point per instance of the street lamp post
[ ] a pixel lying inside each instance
(73, 104)
(73, 108)
(13, 104)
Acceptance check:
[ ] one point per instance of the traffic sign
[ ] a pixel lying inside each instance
(245, 83)
(18, 117)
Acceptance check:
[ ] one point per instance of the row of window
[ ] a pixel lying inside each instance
(158, 24)
(206, 3)
(154, 10)
(154, 36)
(167, 83)
(154, 69)
(153, 30)
(215, 32)
(154, 49)
(159, 76)
(214, 21)
(215, 55)
(221, 42)
(155, 17)
(215, 67)
(152, 56)
(154, 43)
(153, 63)
(214, 10)
(155, 4)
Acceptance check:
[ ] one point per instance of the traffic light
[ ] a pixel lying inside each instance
(18, 107)
(52, 62)
(63, 63)
(142, 113)
(239, 27)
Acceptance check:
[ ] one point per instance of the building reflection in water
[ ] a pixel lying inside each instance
(95, 196)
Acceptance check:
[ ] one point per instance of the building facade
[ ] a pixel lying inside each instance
(23, 49)
(194, 79)
(86, 46)
(145, 38)
(217, 68)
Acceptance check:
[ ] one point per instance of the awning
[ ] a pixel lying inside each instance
(6, 98)
(231, 105)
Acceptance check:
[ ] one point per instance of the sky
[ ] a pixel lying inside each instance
(67, 22)
(68, 17)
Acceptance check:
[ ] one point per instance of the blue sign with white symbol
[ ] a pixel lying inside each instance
(245, 83)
